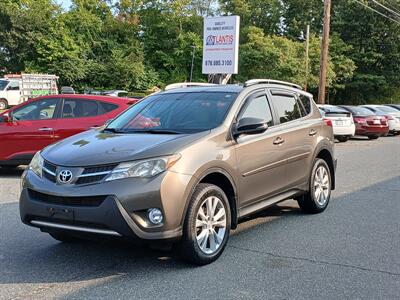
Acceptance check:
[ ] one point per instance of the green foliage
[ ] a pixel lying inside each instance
(139, 44)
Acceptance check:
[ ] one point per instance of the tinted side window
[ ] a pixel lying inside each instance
(37, 110)
(306, 103)
(107, 107)
(78, 108)
(258, 108)
(286, 107)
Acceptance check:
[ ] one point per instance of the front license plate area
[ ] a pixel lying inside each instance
(60, 213)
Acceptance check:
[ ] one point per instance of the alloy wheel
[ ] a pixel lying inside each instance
(321, 186)
(211, 225)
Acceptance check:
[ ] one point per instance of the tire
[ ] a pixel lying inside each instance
(3, 104)
(310, 202)
(209, 247)
(64, 237)
(342, 138)
(373, 137)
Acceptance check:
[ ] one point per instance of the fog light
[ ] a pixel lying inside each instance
(155, 216)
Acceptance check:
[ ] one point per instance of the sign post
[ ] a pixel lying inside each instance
(221, 47)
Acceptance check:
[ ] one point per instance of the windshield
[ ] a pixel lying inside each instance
(3, 84)
(175, 113)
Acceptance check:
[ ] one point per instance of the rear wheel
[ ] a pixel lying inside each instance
(342, 138)
(3, 104)
(207, 225)
(373, 137)
(317, 199)
(64, 237)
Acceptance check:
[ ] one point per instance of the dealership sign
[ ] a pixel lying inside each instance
(221, 45)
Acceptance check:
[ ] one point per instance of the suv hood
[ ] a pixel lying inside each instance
(95, 147)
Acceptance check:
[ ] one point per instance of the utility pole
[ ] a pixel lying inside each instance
(324, 52)
(307, 55)
(191, 67)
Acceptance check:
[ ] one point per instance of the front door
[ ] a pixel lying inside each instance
(260, 160)
(31, 129)
(13, 93)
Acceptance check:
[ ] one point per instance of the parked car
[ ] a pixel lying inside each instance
(367, 123)
(395, 106)
(342, 121)
(391, 114)
(31, 126)
(115, 93)
(184, 166)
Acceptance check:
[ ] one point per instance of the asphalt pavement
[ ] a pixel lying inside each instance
(350, 251)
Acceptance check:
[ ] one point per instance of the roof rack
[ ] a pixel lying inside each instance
(271, 81)
(186, 85)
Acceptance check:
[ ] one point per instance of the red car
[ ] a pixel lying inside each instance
(34, 124)
(368, 124)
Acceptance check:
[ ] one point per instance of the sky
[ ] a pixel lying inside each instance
(65, 3)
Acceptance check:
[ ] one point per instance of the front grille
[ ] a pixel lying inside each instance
(91, 174)
(49, 166)
(70, 201)
(90, 179)
(99, 169)
(49, 176)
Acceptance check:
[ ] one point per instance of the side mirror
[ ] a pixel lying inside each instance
(250, 126)
(5, 118)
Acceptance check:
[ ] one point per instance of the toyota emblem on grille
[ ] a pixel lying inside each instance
(65, 176)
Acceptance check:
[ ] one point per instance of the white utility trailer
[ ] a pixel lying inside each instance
(17, 88)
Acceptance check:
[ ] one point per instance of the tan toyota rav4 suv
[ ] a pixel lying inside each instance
(184, 166)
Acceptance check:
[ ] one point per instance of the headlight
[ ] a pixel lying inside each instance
(36, 164)
(143, 168)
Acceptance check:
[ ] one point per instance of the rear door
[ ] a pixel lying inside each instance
(298, 132)
(31, 129)
(260, 160)
(78, 115)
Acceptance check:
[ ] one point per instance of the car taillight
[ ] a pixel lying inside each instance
(384, 121)
(360, 120)
(328, 122)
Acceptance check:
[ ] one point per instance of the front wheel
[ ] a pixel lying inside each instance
(317, 198)
(207, 225)
(3, 104)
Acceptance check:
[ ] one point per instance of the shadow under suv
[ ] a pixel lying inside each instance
(184, 166)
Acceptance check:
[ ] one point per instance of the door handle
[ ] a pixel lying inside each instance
(45, 129)
(278, 141)
(312, 132)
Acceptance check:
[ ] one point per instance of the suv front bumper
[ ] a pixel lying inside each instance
(122, 212)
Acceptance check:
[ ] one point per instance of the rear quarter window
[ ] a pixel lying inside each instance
(107, 107)
(305, 102)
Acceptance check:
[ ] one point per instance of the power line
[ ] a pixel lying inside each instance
(378, 12)
(397, 14)
(391, 5)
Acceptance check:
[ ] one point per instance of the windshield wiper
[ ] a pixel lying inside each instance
(154, 131)
(114, 130)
